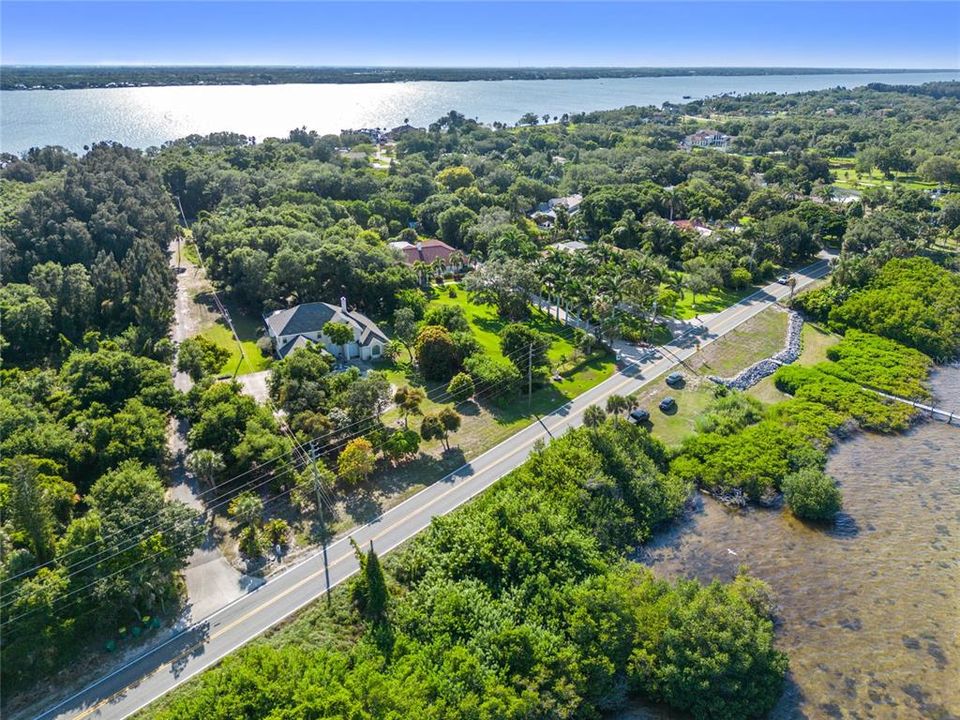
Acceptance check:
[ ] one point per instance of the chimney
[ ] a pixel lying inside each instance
(343, 303)
(419, 246)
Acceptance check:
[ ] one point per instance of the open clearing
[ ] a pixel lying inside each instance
(757, 339)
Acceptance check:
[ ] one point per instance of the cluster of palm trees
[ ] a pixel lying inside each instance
(606, 286)
(437, 269)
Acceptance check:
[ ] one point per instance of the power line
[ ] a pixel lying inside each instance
(90, 562)
(202, 531)
(566, 333)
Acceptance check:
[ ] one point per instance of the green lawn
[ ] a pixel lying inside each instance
(246, 325)
(846, 176)
(487, 324)
(759, 337)
(692, 400)
(716, 300)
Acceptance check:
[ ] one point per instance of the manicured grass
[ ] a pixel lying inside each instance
(246, 325)
(846, 176)
(487, 324)
(760, 337)
(716, 300)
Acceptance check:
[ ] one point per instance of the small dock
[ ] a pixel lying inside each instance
(934, 413)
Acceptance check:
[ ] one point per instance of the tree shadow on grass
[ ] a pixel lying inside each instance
(365, 502)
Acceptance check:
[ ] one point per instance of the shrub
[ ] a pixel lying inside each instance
(811, 494)
(436, 353)
(754, 459)
(913, 301)
(523, 344)
(879, 363)
(493, 378)
(767, 269)
(452, 317)
(461, 387)
(277, 531)
(740, 278)
(729, 413)
(250, 542)
(870, 410)
(357, 461)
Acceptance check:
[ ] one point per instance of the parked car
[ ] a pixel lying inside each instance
(783, 279)
(668, 404)
(639, 415)
(675, 379)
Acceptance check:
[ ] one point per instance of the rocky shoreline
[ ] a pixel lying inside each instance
(755, 373)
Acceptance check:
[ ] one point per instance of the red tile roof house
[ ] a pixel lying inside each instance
(429, 251)
(693, 226)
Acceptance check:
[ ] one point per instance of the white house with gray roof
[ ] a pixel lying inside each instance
(301, 325)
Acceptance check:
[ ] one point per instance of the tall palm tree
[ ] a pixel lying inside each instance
(420, 268)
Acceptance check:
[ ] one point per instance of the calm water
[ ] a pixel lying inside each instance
(869, 609)
(143, 117)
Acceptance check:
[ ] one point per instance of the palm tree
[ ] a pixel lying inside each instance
(206, 464)
(457, 260)
(247, 507)
(420, 269)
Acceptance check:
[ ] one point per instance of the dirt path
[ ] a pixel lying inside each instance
(211, 580)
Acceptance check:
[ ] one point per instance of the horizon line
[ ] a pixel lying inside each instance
(475, 67)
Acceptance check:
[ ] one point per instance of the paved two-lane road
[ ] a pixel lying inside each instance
(131, 687)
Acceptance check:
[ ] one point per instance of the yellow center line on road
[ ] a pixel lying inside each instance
(263, 606)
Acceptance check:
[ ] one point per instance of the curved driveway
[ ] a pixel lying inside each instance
(159, 670)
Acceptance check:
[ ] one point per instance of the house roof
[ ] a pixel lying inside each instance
(570, 246)
(693, 226)
(425, 251)
(311, 317)
(298, 342)
(571, 202)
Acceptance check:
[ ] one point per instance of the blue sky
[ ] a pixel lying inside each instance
(809, 34)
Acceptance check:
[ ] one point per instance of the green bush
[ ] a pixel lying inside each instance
(870, 410)
(516, 603)
(729, 413)
(913, 301)
(812, 495)
(461, 387)
(492, 377)
(436, 351)
(740, 278)
(754, 459)
(877, 362)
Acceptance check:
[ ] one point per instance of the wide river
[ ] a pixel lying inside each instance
(145, 117)
(869, 610)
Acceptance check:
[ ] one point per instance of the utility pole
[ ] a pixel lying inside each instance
(323, 527)
(530, 375)
(309, 455)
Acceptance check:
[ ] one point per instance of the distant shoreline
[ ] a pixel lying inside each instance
(20, 77)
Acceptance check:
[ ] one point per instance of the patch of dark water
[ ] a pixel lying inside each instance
(869, 607)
